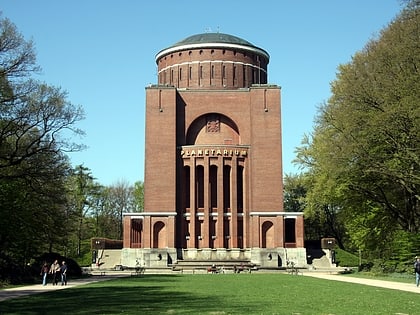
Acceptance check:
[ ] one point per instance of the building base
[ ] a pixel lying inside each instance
(168, 257)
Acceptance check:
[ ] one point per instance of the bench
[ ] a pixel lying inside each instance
(214, 269)
(244, 268)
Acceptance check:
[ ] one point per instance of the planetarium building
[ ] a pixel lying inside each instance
(213, 190)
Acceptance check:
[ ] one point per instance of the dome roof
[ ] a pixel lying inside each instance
(212, 40)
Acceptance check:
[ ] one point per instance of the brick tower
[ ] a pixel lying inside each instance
(213, 161)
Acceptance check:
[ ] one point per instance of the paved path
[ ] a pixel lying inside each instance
(39, 288)
(409, 287)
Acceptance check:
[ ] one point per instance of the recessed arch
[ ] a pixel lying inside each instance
(267, 235)
(213, 128)
(159, 235)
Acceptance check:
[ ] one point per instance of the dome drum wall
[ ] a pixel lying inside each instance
(212, 61)
(212, 68)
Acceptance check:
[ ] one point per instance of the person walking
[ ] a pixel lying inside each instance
(417, 270)
(55, 271)
(44, 273)
(63, 270)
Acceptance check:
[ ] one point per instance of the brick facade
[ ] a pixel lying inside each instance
(213, 158)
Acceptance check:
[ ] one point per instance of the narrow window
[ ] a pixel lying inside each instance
(201, 72)
(290, 230)
(212, 72)
(224, 72)
(234, 72)
(190, 74)
(180, 74)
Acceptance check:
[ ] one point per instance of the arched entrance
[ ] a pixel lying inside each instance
(267, 234)
(159, 235)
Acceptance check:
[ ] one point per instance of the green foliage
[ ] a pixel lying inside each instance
(83, 196)
(363, 158)
(138, 195)
(346, 259)
(33, 164)
(294, 193)
(85, 258)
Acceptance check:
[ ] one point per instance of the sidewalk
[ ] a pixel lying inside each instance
(39, 288)
(408, 287)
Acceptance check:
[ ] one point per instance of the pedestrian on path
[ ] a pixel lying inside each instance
(63, 270)
(417, 270)
(44, 273)
(55, 271)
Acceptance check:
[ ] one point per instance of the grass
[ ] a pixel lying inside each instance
(218, 295)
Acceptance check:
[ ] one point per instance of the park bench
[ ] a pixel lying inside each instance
(244, 268)
(214, 269)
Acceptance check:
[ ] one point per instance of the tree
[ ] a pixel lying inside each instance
(119, 200)
(364, 153)
(294, 193)
(138, 196)
(35, 121)
(34, 117)
(83, 196)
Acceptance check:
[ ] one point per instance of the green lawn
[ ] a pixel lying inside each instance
(216, 295)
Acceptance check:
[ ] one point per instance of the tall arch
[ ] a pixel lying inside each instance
(213, 128)
(267, 237)
(159, 235)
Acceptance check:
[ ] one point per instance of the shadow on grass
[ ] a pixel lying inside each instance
(145, 295)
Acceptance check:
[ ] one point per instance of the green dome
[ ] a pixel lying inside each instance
(213, 40)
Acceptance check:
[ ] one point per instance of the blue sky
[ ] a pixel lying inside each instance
(102, 53)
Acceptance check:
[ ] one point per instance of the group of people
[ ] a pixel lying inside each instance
(56, 271)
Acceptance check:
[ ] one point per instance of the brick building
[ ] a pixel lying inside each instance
(213, 161)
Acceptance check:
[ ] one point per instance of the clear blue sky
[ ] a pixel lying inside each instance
(102, 53)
